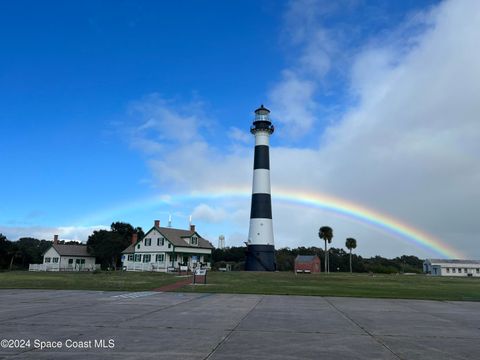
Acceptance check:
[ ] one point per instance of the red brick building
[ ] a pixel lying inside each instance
(307, 264)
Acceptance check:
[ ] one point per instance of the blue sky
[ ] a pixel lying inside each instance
(105, 105)
(72, 71)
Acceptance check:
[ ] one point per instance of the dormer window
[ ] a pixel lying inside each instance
(194, 240)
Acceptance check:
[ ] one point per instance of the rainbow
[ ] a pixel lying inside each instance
(316, 200)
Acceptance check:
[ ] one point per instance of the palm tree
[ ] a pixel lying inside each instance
(326, 233)
(351, 243)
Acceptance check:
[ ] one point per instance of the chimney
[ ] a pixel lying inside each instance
(157, 223)
(55, 239)
(134, 238)
(192, 227)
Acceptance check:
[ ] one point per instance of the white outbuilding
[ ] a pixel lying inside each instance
(66, 257)
(445, 267)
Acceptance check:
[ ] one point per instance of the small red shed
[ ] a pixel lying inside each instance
(307, 264)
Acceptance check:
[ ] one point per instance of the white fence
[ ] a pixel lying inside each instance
(50, 267)
(159, 267)
(145, 267)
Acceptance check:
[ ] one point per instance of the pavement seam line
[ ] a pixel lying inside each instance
(166, 307)
(32, 350)
(230, 333)
(48, 312)
(363, 329)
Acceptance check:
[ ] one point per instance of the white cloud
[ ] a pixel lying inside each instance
(209, 214)
(314, 52)
(239, 135)
(176, 162)
(167, 121)
(293, 102)
(77, 233)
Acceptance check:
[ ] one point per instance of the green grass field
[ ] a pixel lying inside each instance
(109, 281)
(342, 284)
(338, 284)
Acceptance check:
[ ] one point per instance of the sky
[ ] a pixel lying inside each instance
(140, 110)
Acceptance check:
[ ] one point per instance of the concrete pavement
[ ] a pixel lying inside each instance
(153, 325)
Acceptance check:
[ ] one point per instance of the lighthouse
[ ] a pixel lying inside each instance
(260, 246)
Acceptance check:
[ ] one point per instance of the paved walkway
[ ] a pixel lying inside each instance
(161, 325)
(175, 286)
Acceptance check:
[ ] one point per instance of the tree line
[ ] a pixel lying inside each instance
(107, 245)
(339, 260)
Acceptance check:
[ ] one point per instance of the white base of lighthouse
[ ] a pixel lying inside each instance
(260, 232)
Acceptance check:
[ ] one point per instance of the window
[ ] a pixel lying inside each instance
(138, 257)
(70, 261)
(147, 258)
(148, 241)
(159, 257)
(82, 261)
(160, 241)
(448, 270)
(47, 259)
(169, 245)
(459, 270)
(173, 257)
(194, 240)
(453, 270)
(478, 271)
(130, 257)
(55, 259)
(138, 246)
(465, 271)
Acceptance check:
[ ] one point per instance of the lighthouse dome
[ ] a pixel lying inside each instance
(262, 121)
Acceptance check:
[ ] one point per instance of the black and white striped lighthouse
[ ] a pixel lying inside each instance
(260, 247)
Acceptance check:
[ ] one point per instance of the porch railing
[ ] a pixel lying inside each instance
(51, 267)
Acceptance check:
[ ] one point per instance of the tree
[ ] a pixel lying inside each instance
(5, 246)
(14, 253)
(326, 233)
(8, 252)
(126, 231)
(285, 260)
(351, 243)
(31, 250)
(107, 247)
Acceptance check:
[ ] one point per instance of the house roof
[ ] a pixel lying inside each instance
(176, 237)
(305, 258)
(71, 250)
(453, 261)
(129, 250)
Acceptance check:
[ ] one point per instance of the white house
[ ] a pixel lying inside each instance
(443, 267)
(60, 257)
(167, 249)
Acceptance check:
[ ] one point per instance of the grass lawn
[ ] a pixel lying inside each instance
(336, 284)
(109, 281)
(342, 284)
